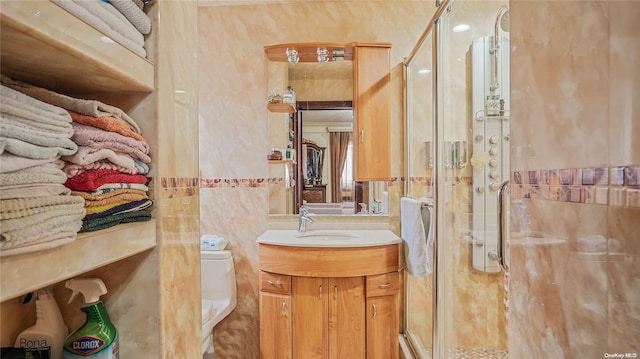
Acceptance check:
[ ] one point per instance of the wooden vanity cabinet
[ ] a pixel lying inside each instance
(345, 310)
(372, 112)
(382, 316)
(275, 316)
(328, 317)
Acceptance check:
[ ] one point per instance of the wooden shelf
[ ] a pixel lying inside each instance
(281, 107)
(307, 51)
(27, 272)
(46, 46)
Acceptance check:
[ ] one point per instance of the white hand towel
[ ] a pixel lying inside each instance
(417, 240)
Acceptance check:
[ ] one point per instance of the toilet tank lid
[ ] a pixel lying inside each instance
(215, 254)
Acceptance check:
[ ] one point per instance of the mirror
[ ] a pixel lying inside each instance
(324, 93)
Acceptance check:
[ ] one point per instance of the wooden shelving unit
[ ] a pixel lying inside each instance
(281, 107)
(66, 55)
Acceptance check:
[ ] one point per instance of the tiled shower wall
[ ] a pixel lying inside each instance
(575, 255)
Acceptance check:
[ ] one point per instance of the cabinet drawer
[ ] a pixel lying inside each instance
(383, 284)
(276, 283)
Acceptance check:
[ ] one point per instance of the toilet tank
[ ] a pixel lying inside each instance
(218, 277)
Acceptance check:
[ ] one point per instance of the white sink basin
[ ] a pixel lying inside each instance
(326, 236)
(329, 238)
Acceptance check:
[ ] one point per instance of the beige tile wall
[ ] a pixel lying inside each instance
(573, 287)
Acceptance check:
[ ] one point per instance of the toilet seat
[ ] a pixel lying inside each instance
(218, 292)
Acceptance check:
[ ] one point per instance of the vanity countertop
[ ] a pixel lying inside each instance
(342, 238)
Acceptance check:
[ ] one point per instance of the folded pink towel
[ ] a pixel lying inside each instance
(86, 155)
(96, 138)
(73, 169)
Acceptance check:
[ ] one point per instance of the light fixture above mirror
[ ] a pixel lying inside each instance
(292, 55)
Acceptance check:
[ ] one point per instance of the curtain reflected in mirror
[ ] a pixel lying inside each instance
(339, 144)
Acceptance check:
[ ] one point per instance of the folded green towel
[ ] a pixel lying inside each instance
(90, 225)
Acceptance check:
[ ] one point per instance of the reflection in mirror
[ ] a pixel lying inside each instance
(326, 133)
(314, 160)
(322, 173)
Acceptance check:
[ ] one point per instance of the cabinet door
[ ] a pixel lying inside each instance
(382, 327)
(310, 317)
(275, 326)
(346, 318)
(372, 113)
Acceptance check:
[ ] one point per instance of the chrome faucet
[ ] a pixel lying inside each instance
(303, 219)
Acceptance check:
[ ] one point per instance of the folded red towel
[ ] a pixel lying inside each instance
(92, 179)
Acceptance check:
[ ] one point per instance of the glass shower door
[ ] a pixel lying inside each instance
(473, 147)
(419, 142)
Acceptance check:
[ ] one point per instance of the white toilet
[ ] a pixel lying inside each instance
(218, 280)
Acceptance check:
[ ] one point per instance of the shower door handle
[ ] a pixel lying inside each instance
(504, 188)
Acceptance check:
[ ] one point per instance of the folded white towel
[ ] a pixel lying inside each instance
(50, 172)
(28, 150)
(29, 108)
(104, 25)
(10, 162)
(134, 14)
(417, 240)
(86, 107)
(33, 190)
(11, 127)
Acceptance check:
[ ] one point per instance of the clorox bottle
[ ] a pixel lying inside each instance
(97, 338)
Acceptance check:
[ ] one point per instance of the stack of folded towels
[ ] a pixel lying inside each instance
(108, 169)
(36, 210)
(124, 21)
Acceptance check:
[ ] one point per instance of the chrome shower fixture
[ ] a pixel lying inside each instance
(504, 22)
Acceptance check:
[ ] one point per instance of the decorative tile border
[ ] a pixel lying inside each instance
(178, 182)
(251, 182)
(239, 182)
(427, 181)
(172, 187)
(614, 186)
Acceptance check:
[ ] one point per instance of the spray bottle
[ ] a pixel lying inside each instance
(49, 331)
(97, 338)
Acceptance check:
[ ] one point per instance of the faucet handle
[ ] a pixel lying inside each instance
(304, 210)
